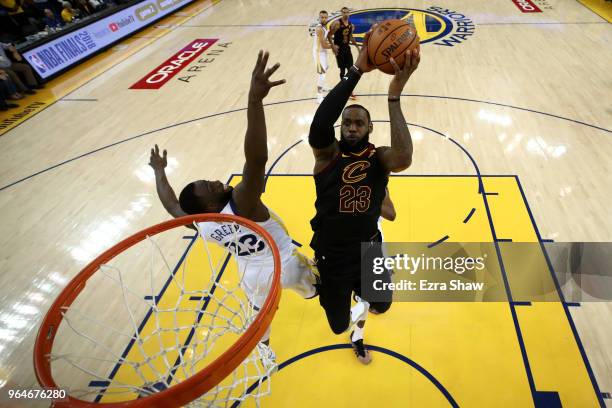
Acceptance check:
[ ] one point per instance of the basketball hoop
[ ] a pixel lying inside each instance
(203, 360)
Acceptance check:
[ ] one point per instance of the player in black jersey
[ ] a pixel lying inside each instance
(340, 36)
(350, 177)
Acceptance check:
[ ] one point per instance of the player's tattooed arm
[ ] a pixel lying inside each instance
(398, 157)
(248, 192)
(164, 190)
(388, 209)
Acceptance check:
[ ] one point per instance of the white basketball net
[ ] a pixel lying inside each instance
(172, 336)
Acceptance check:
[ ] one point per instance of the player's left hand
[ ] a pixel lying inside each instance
(156, 161)
(411, 63)
(260, 79)
(363, 61)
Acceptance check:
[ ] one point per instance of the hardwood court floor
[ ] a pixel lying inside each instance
(523, 100)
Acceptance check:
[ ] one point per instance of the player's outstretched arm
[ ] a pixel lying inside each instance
(322, 137)
(248, 192)
(164, 190)
(398, 157)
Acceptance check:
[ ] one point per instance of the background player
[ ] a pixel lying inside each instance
(319, 52)
(351, 177)
(340, 37)
(204, 196)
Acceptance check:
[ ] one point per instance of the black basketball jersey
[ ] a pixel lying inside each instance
(350, 192)
(342, 36)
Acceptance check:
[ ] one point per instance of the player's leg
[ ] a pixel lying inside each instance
(299, 275)
(335, 298)
(379, 300)
(334, 291)
(325, 66)
(341, 64)
(322, 68)
(256, 281)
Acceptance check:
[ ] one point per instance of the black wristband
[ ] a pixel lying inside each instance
(356, 69)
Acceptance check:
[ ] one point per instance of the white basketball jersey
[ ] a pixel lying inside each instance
(316, 46)
(246, 245)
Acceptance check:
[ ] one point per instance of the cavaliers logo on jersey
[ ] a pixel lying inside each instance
(355, 172)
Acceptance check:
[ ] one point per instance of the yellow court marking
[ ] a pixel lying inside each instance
(472, 350)
(601, 7)
(71, 80)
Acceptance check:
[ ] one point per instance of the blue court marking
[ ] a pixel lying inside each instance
(498, 104)
(441, 240)
(277, 160)
(268, 104)
(548, 399)
(379, 349)
(469, 215)
(521, 303)
(199, 297)
(548, 240)
(99, 383)
(572, 304)
(145, 320)
(517, 325)
(504, 239)
(585, 359)
(492, 194)
(480, 185)
(179, 358)
(535, 394)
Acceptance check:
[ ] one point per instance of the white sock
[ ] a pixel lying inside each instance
(357, 333)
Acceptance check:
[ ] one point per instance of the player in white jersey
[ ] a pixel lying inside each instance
(202, 196)
(320, 45)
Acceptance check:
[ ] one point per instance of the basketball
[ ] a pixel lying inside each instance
(391, 39)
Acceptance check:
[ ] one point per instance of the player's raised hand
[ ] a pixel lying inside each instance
(260, 79)
(363, 61)
(156, 161)
(402, 74)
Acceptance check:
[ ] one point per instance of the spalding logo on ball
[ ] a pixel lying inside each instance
(391, 39)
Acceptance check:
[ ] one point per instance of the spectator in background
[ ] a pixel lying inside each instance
(85, 8)
(97, 4)
(13, 16)
(68, 13)
(13, 68)
(7, 91)
(51, 20)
